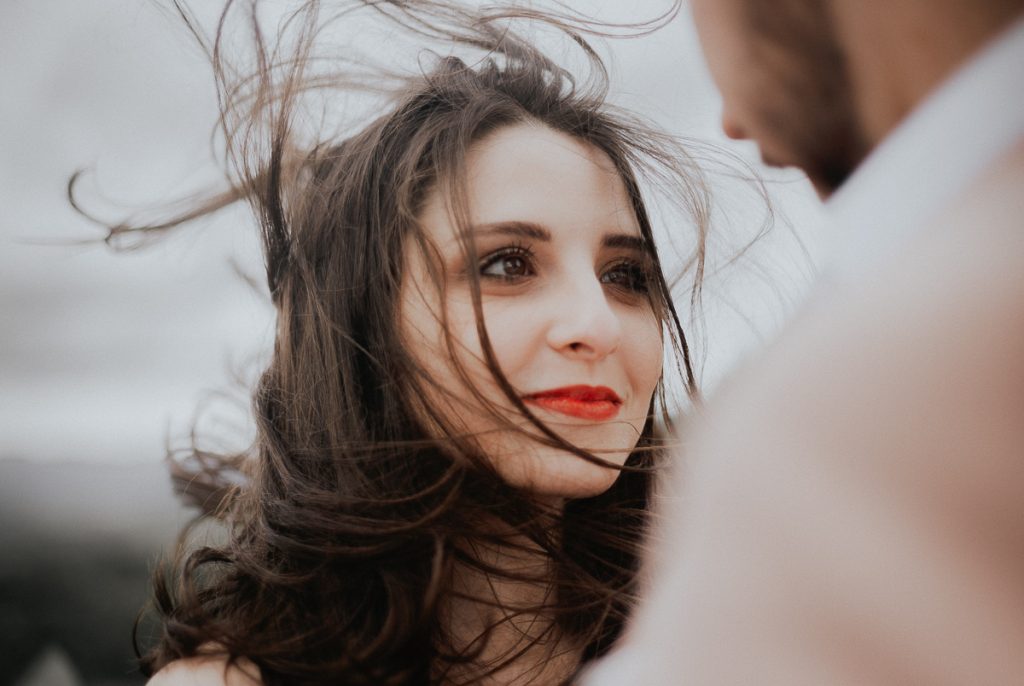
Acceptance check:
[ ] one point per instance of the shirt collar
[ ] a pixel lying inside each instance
(931, 156)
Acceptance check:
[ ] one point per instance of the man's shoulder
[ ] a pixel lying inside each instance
(916, 360)
(964, 268)
(994, 204)
(863, 478)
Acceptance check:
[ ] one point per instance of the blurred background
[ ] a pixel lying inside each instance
(105, 356)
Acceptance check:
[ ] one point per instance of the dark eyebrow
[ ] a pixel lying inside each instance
(626, 241)
(541, 233)
(515, 228)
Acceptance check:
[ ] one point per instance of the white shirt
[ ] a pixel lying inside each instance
(932, 156)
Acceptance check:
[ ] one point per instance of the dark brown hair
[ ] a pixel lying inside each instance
(340, 543)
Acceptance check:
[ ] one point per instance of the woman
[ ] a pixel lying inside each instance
(456, 430)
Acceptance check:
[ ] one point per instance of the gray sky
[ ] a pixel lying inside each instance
(99, 352)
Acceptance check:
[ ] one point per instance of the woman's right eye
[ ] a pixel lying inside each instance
(508, 264)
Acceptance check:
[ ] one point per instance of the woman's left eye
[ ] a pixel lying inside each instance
(628, 275)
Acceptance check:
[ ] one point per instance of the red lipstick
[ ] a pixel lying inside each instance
(596, 403)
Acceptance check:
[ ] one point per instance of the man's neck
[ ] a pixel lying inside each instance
(898, 51)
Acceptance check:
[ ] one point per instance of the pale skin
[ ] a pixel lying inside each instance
(555, 209)
(864, 526)
(561, 269)
(207, 671)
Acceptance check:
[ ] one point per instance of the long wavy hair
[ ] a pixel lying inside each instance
(345, 519)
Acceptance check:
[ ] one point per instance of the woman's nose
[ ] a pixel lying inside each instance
(584, 325)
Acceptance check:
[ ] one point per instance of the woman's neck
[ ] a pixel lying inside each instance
(501, 606)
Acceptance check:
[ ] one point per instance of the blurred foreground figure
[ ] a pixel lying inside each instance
(853, 506)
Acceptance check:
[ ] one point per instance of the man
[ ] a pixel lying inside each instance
(853, 503)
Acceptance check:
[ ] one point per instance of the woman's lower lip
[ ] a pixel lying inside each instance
(596, 410)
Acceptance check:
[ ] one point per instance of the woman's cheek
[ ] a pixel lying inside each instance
(511, 329)
(647, 352)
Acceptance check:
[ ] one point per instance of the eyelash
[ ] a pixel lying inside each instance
(637, 282)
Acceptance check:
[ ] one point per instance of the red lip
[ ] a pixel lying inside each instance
(597, 403)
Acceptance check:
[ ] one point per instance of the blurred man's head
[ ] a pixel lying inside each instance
(784, 83)
(817, 83)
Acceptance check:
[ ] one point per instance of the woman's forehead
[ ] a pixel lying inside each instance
(529, 174)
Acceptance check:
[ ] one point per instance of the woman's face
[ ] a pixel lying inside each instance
(563, 275)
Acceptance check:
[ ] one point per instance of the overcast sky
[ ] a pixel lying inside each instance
(99, 352)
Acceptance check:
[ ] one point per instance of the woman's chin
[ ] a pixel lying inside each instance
(558, 474)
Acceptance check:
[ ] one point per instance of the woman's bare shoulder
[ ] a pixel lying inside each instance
(211, 670)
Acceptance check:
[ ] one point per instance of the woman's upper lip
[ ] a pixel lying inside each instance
(581, 393)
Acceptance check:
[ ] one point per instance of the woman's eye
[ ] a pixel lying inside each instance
(629, 276)
(508, 264)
